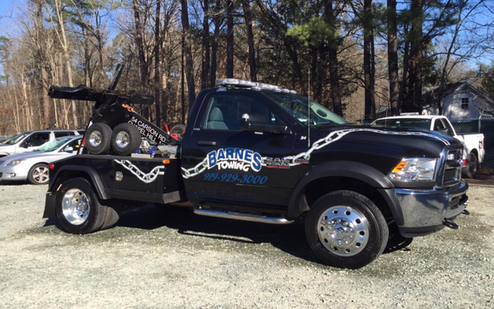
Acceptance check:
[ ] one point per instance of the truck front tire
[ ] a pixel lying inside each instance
(470, 171)
(345, 229)
(78, 209)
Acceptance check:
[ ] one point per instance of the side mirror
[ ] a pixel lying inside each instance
(249, 123)
(24, 144)
(69, 149)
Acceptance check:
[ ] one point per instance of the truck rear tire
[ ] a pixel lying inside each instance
(470, 171)
(125, 139)
(98, 137)
(345, 229)
(78, 209)
(111, 218)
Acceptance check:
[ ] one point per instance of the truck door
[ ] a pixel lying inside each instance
(223, 163)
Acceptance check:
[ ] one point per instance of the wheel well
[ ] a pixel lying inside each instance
(322, 186)
(475, 152)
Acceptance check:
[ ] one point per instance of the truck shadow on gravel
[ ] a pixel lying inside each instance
(287, 238)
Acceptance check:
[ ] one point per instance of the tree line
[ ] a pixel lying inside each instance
(355, 57)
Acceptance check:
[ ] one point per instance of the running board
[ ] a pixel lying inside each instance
(241, 216)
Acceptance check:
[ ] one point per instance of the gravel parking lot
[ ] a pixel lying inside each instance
(174, 259)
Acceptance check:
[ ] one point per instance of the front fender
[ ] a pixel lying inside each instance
(347, 169)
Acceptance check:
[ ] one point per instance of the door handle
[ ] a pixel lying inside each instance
(206, 143)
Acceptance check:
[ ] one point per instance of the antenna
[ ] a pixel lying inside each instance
(308, 107)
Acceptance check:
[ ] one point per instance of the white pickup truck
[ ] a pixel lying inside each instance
(473, 143)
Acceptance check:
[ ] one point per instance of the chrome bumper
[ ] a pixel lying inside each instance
(424, 211)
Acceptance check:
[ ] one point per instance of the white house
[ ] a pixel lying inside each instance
(460, 102)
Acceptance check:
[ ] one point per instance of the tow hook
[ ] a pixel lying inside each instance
(465, 212)
(449, 223)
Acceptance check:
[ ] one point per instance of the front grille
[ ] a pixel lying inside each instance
(452, 167)
(451, 175)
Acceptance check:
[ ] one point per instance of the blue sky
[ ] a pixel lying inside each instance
(5, 11)
(5, 6)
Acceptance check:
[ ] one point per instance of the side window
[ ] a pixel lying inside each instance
(74, 145)
(438, 125)
(37, 139)
(60, 134)
(447, 125)
(224, 112)
(63, 133)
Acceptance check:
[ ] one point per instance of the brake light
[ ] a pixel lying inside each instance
(465, 161)
(51, 166)
(83, 142)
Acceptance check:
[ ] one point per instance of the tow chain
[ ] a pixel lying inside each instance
(146, 178)
(321, 143)
(196, 170)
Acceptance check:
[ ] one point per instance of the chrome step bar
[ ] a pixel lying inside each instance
(241, 216)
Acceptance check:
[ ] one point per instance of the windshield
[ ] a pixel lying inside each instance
(297, 106)
(16, 138)
(54, 144)
(403, 122)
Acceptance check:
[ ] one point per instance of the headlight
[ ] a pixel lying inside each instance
(15, 162)
(414, 169)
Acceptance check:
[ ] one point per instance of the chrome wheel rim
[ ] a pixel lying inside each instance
(40, 174)
(75, 206)
(122, 139)
(343, 230)
(95, 138)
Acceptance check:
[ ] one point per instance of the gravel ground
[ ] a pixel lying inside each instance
(174, 259)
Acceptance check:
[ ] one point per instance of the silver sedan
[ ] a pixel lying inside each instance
(34, 166)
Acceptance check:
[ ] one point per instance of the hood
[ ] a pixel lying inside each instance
(379, 146)
(4, 146)
(425, 142)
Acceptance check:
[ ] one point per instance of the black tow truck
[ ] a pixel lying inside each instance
(256, 152)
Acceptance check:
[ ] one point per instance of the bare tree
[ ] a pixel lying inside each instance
(62, 36)
(229, 38)
(393, 58)
(189, 70)
(250, 39)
